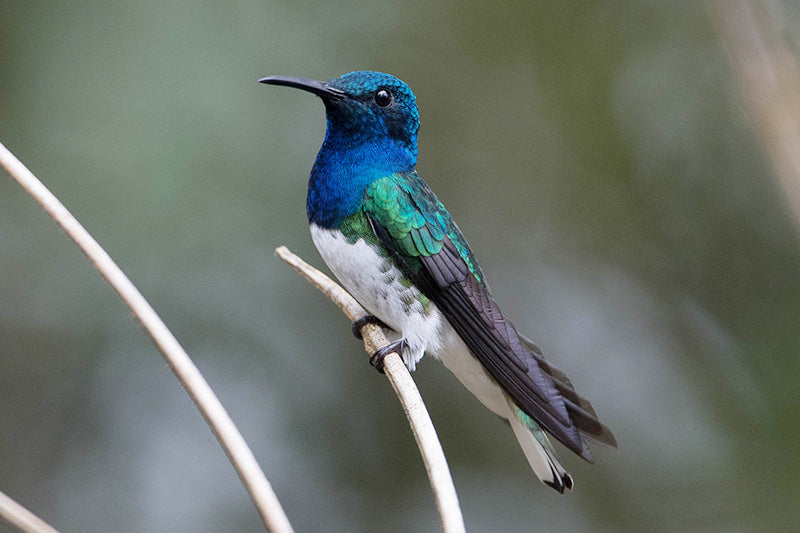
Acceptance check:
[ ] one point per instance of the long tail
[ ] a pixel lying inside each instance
(538, 450)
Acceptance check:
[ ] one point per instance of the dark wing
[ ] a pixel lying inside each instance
(417, 229)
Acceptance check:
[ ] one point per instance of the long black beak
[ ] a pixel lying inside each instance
(320, 88)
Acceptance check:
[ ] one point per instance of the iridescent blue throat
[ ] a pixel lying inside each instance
(346, 166)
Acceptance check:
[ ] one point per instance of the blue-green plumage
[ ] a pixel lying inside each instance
(391, 242)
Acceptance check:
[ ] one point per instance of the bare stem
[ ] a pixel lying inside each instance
(432, 455)
(21, 518)
(219, 421)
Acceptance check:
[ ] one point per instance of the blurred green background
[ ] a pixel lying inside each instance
(596, 155)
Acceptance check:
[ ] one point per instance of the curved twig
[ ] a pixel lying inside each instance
(407, 392)
(207, 403)
(24, 520)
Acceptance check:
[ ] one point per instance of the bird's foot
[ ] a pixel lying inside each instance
(363, 321)
(380, 354)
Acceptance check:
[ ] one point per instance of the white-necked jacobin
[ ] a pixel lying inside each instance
(393, 245)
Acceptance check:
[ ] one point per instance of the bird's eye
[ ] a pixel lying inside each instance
(383, 98)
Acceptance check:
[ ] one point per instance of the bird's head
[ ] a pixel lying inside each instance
(364, 106)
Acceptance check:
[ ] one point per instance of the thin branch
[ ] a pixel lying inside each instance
(179, 362)
(407, 392)
(21, 518)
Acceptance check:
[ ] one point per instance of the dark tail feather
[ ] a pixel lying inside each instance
(589, 426)
(580, 410)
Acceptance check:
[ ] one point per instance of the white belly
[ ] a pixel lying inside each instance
(376, 283)
(470, 372)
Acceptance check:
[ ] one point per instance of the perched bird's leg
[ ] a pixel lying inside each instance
(363, 321)
(376, 359)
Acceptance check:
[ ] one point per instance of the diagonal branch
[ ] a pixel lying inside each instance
(207, 403)
(432, 455)
(24, 520)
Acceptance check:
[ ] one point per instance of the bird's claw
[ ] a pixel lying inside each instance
(376, 359)
(363, 321)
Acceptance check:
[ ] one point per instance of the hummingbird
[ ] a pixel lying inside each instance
(392, 243)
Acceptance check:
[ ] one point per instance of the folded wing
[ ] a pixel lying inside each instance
(416, 228)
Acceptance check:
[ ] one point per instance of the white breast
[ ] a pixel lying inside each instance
(378, 285)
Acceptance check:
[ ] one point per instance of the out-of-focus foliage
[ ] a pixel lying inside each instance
(595, 155)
